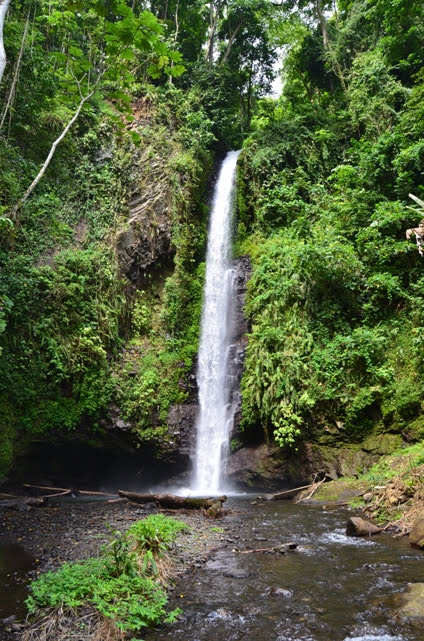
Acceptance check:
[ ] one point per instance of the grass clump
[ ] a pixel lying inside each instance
(123, 584)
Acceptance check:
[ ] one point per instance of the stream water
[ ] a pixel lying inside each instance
(332, 588)
(15, 563)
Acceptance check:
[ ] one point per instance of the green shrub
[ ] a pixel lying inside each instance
(114, 583)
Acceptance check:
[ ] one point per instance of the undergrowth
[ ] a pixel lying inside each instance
(124, 584)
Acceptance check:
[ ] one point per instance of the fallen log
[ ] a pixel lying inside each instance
(277, 549)
(46, 487)
(174, 501)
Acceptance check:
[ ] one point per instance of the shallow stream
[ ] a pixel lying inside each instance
(332, 588)
(15, 563)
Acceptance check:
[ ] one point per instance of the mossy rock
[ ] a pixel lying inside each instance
(340, 462)
(340, 491)
(382, 443)
(416, 429)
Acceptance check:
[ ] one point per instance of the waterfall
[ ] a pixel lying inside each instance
(216, 413)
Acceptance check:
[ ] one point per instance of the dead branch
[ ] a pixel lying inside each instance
(287, 494)
(68, 490)
(314, 488)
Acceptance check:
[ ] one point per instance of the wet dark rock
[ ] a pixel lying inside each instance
(236, 574)
(36, 502)
(145, 243)
(241, 325)
(181, 420)
(257, 466)
(360, 527)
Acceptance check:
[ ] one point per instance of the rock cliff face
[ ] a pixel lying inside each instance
(145, 242)
(243, 271)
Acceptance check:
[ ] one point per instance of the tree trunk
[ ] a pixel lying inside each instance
(323, 23)
(177, 29)
(11, 96)
(214, 17)
(230, 42)
(4, 4)
(174, 501)
(14, 211)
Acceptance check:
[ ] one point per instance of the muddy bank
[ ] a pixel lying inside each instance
(75, 529)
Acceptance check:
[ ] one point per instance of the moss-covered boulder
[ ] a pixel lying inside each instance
(382, 443)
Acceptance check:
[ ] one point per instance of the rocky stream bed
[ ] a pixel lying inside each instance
(40, 539)
(330, 587)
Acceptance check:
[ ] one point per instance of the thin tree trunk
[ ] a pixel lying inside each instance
(214, 17)
(249, 98)
(327, 47)
(11, 96)
(17, 207)
(4, 5)
(177, 29)
(323, 23)
(230, 42)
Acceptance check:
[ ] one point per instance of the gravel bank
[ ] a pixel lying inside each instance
(76, 529)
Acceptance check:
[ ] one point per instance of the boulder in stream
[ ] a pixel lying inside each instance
(411, 609)
(416, 536)
(360, 527)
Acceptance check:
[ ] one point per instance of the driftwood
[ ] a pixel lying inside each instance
(277, 549)
(287, 494)
(298, 494)
(174, 501)
(306, 496)
(63, 491)
(3, 495)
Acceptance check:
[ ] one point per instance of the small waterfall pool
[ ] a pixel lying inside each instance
(332, 588)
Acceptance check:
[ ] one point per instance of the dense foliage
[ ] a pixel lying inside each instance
(67, 305)
(336, 297)
(110, 114)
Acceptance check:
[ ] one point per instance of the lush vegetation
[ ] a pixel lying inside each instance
(104, 106)
(110, 116)
(122, 584)
(336, 297)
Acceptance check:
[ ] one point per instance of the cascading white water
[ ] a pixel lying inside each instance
(216, 413)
